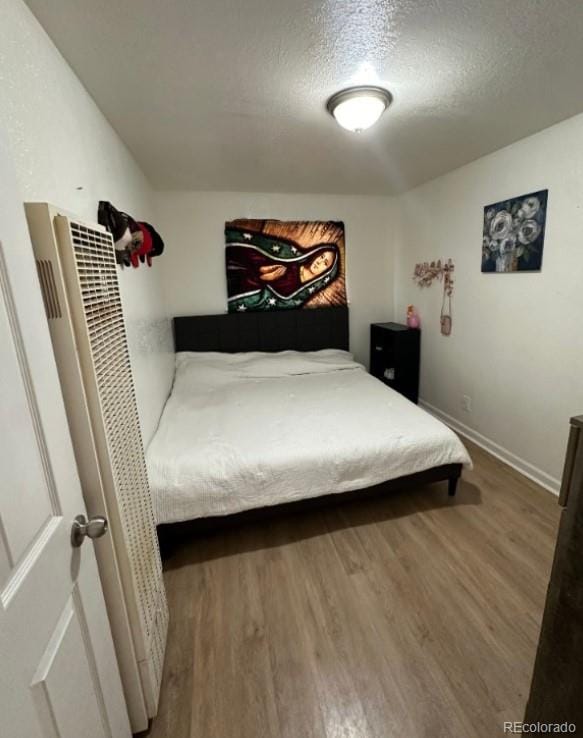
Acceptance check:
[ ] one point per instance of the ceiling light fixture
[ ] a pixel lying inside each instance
(359, 108)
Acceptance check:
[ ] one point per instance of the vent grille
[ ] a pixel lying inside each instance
(96, 268)
(48, 289)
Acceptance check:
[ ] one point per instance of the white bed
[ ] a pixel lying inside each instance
(248, 430)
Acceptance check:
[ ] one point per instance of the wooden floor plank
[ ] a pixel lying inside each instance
(411, 615)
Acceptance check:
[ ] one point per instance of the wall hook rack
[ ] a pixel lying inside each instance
(424, 275)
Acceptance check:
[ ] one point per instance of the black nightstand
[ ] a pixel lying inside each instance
(394, 357)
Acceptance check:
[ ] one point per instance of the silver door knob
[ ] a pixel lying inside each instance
(83, 528)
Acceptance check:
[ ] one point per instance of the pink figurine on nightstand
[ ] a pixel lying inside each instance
(412, 317)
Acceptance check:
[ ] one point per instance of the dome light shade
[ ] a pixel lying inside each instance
(359, 108)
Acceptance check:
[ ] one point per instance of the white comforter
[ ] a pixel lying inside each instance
(250, 430)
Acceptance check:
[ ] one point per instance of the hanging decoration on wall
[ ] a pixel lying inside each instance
(278, 265)
(514, 234)
(425, 274)
(134, 242)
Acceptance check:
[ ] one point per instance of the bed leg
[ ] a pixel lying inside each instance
(452, 485)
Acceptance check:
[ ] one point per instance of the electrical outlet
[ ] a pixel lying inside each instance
(467, 403)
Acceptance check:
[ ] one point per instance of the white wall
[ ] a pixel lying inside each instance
(65, 152)
(517, 342)
(194, 268)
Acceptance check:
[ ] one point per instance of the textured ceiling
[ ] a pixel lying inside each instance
(230, 94)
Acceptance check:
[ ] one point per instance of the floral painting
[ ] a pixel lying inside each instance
(514, 233)
(280, 265)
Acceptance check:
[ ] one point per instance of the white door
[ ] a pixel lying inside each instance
(58, 671)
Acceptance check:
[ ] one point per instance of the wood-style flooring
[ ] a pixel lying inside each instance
(397, 617)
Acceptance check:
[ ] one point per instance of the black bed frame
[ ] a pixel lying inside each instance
(299, 330)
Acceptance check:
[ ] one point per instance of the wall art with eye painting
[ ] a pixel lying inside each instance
(514, 234)
(278, 265)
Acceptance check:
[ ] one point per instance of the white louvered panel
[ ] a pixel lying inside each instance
(80, 293)
(48, 288)
(90, 252)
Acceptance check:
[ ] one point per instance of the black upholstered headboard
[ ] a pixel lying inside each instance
(300, 330)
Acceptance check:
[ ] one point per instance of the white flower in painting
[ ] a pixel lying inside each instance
(490, 213)
(517, 221)
(294, 250)
(530, 207)
(501, 225)
(275, 249)
(507, 244)
(494, 247)
(529, 232)
(242, 308)
(247, 236)
(311, 290)
(271, 301)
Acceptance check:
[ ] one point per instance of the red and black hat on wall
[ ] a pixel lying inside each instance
(134, 241)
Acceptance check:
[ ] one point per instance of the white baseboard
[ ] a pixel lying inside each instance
(524, 467)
